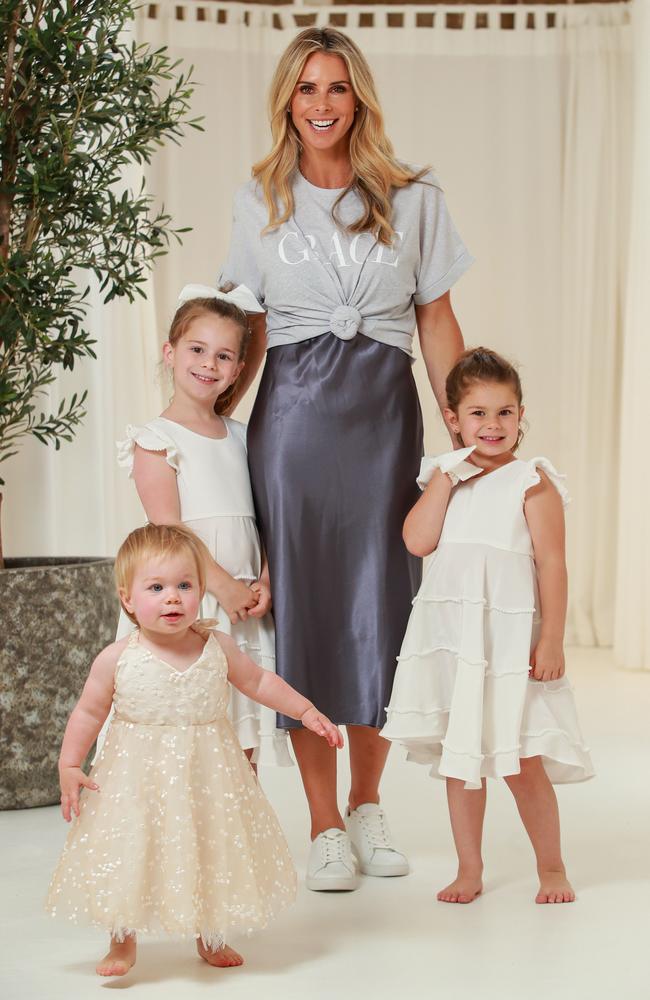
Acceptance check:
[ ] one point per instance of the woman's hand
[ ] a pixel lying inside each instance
(263, 591)
(547, 661)
(318, 723)
(236, 598)
(71, 780)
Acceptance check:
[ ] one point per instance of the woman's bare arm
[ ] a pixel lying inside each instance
(254, 357)
(441, 342)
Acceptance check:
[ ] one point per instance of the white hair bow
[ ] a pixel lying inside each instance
(240, 296)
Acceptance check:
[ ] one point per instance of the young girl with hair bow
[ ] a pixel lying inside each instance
(190, 465)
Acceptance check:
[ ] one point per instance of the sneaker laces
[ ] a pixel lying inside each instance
(332, 847)
(375, 830)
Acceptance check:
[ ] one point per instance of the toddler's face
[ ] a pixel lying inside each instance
(205, 361)
(165, 594)
(488, 417)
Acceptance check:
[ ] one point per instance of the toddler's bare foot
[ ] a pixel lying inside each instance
(222, 958)
(554, 887)
(120, 958)
(464, 889)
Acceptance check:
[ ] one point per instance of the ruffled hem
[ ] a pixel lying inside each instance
(422, 734)
(423, 598)
(533, 477)
(149, 439)
(549, 730)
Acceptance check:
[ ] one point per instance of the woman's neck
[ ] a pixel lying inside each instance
(329, 169)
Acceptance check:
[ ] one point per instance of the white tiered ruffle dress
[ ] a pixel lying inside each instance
(216, 502)
(463, 700)
(179, 839)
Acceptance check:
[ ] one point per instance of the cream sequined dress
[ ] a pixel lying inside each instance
(180, 838)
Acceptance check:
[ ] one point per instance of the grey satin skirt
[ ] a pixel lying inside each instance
(334, 448)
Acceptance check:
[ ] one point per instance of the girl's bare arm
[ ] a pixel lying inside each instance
(84, 724)
(545, 517)
(155, 481)
(424, 521)
(270, 690)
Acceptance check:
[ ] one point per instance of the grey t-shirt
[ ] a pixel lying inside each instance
(313, 277)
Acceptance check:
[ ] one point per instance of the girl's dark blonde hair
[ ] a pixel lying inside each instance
(481, 364)
(375, 171)
(193, 309)
(157, 541)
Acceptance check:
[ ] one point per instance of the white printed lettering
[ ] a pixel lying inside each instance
(303, 254)
(338, 251)
(354, 244)
(379, 259)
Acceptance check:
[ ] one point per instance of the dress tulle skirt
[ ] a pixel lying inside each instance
(179, 839)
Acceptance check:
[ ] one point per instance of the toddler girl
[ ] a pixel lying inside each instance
(174, 833)
(189, 465)
(480, 689)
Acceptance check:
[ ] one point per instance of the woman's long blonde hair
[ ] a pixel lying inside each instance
(374, 167)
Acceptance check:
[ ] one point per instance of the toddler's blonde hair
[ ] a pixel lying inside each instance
(157, 541)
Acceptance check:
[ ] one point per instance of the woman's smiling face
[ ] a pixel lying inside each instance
(323, 103)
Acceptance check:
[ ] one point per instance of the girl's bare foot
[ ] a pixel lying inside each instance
(222, 958)
(120, 958)
(464, 889)
(554, 887)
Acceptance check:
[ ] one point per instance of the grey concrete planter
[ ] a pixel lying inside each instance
(57, 614)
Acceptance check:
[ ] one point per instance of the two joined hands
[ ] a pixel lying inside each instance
(239, 599)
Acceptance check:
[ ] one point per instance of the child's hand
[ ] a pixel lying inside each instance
(263, 606)
(321, 725)
(71, 780)
(237, 599)
(547, 661)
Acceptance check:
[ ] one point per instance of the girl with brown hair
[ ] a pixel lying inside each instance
(189, 465)
(480, 690)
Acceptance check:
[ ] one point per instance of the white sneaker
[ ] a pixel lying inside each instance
(371, 842)
(331, 866)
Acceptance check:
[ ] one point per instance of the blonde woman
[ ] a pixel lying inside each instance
(348, 249)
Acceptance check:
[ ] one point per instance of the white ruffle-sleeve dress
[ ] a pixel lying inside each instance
(217, 504)
(463, 700)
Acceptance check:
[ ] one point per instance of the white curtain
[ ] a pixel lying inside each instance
(632, 636)
(524, 114)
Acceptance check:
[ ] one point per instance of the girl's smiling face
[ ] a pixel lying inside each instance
(205, 361)
(488, 417)
(164, 595)
(323, 103)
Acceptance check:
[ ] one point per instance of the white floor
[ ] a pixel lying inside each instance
(391, 939)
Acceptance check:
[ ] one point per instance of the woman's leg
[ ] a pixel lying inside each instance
(365, 820)
(331, 866)
(466, 812)
(537, 805)
(368, 753)
(119, 958)
(317, 763)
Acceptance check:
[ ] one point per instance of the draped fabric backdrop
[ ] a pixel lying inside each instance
(525, 114)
